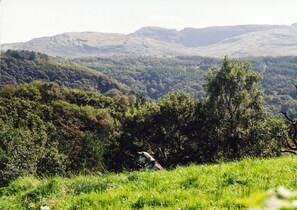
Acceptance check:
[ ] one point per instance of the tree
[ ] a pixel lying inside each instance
(290, 139)
(18, 153)
(172, 129)
(236, 105)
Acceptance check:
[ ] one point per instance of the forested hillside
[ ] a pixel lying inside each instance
(149, 76)
(156, 76)
(19, 67)
(47, 129)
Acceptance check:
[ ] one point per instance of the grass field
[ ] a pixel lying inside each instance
(220, 186)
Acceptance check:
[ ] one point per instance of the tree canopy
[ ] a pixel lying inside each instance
(235, 102)
(48, 129)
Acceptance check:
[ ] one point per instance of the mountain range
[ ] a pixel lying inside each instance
(217, 41)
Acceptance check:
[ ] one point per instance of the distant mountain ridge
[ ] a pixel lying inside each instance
(193, 37)
(217, 41)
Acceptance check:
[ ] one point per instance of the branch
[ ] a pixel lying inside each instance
(293, 124)
(295, 135)
(287, 117)
(289, 151)
(288, 144)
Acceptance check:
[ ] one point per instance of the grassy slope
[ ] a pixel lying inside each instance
(192, 187)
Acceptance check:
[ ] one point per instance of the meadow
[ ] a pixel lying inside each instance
(218, 186)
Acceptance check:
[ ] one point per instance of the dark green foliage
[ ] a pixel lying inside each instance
(157, 76)
(47, 129)
(19, 67)
(18, 154)
(279, 77)
(173, 130)
(235, 103)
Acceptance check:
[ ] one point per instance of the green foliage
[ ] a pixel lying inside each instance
(157, 76)
(235, 103)
(91, 154)
(19, 154)
(47, 129)
(172, 130)
(42, 133)
(18, 67)
(236, 185)
(231, 123)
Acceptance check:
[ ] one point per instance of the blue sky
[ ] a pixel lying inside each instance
(22, 20)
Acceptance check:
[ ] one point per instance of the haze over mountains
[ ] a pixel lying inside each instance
(236, 41)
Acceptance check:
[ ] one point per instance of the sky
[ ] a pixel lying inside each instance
(23, 20)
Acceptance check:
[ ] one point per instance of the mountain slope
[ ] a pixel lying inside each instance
(238, 41)
(23, 67)
(195, 37)
(93, 43)
(276, 42)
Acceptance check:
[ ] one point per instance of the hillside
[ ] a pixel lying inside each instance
(47, 129)
(238, 41)
(153, 76)
(199, 37)
(49, 132)
(75, 44)
(19, 67)
(274, 42)
(156, 76)
(222, 186)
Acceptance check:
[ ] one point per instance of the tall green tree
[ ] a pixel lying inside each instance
(236, 105)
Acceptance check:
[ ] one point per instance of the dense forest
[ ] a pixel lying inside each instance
(49, 129)
(151, 77)
(19, 67)
(157, 76)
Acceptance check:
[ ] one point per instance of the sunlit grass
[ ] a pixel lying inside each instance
(217, 186)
